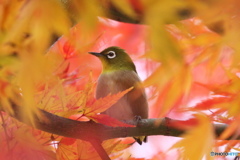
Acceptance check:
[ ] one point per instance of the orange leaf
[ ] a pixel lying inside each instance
(210, 103)
(115, 147)
(67, 151)
(231, 129)
(221, 143)
(104, 103)
(67, 141)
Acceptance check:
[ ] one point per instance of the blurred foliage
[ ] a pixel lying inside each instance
(191, 66)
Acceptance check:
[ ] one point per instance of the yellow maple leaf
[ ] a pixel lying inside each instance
(198, 141)
(232, 128)
(125, 7)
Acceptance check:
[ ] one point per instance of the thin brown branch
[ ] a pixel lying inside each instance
(90, 130)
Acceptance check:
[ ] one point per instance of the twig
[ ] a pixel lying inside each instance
(100, 150)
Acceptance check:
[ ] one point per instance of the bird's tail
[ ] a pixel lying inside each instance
(141, 139)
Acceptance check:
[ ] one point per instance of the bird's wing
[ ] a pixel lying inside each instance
(137, 98)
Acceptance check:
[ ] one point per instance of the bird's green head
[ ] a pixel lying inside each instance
(114, 59)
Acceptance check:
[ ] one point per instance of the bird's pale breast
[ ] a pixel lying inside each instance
(134, 103)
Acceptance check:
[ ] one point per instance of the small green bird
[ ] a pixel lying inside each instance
(119, 73)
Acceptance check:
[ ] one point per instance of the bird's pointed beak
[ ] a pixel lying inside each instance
(95, 54)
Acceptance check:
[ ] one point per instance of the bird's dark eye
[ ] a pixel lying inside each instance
(111, 54)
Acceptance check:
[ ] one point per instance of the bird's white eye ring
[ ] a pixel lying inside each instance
(111, 54)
